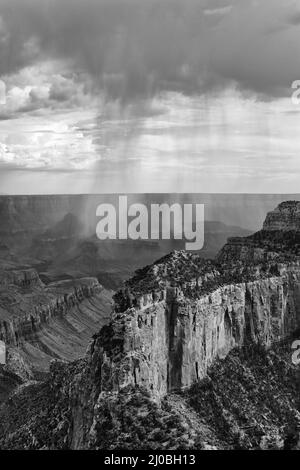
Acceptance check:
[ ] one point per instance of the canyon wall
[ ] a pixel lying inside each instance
(174, 318)
(21, 278)
(170, 344)
(262, 312)
(26, 305)
(285, 217)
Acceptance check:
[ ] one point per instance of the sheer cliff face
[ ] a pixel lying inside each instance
(168, 338)
(285, 217)
(171, 344)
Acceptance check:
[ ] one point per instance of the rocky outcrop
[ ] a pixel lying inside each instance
(176, 317)
(26, 305)
(279, 240)
(286, 217)
(171, 344)
(20, 278)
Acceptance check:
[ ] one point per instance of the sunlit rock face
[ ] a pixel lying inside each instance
(278, 241)
(2, 352)
(263, 312)
(184, 313)
(285, 217)
(171, 345)
(136, 350)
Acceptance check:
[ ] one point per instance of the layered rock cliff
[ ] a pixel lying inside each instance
(176, 317)
(26, 305)
(20, 278)
(170, 343)
(286, 217)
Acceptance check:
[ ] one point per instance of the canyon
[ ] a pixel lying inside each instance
(39, 323)
(56, 235)
(185, 336)
(180, 314)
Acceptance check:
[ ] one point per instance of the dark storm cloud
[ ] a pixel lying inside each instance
(135, 48)
(294, 19)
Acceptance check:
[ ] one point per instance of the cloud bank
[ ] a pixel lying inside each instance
(136, 48)
(149, 94)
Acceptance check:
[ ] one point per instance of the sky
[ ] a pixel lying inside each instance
(149, 96)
